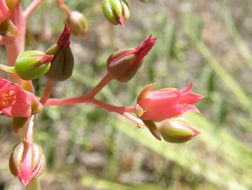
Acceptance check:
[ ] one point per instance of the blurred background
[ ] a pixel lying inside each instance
(200, 41)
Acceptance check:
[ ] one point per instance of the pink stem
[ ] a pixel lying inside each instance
(105, 80)
(86, 99)
(31, 8)
(121, 110)
(17, 45)
(50, 84)
(118, 109)
(66, 101)
(4, 40)
(134, 119)
(27, 131)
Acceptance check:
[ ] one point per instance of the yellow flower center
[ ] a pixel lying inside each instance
(6, 98)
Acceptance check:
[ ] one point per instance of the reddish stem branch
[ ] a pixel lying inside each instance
(86, 99)
(118, 109)
(4, 40)
(31, 8)
(124, 111)
(50, 84)
(105, 80)
(18, 44)
(26, 133)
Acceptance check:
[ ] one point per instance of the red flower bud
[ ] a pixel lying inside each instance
(27, 161)
(122, 65)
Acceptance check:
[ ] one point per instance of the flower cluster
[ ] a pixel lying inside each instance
(165, 104)
(161, 111)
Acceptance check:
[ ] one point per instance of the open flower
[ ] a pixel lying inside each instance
(15, 101)
(165, 103)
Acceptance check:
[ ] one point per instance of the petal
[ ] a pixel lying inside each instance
(20, 109)
(159, 114)
(186, 90)
(190, 98)
(145, 91)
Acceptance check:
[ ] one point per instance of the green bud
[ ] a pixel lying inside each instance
(32, 64)
(78, 23)
(177, 130)
(116, 11)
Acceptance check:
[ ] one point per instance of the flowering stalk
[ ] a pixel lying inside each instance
(14, 46)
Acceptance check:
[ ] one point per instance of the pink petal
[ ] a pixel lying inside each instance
(20, 109)
(186, 90)
(192, 108)
(162, 113)
(190, 98)
(145, 91)
(144, 47)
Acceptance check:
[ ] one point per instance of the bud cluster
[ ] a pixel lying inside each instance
(159, 111)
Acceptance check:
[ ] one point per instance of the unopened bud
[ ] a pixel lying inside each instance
(32, 64)
(116, 11)
(122, 65)
(27, 161)
(177, 130)
(63, 61)
(78, 23)
(7, 28)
